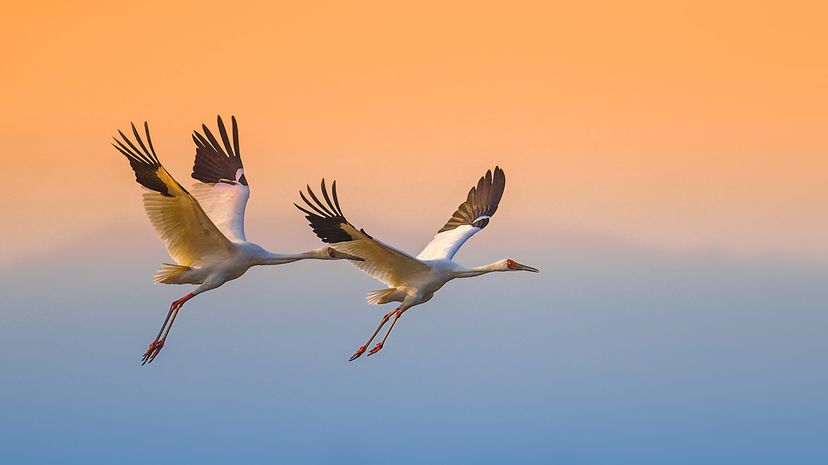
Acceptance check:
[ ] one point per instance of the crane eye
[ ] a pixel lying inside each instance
(510, 263)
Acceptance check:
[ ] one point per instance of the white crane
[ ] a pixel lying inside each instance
(203, 230)
(410, 280)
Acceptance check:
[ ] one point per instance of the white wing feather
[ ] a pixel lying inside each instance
(223, 190)
(187, 232)
(182, 225)
(446, 244)
(471, 216)
(224, 204)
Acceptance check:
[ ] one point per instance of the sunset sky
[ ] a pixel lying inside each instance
(667, 170)
(679, 126)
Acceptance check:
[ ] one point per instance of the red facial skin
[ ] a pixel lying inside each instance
(511, 264)
(331, 252)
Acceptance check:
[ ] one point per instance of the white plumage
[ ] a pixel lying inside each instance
(224, 203)
(203, 231)
(410, 280)
(446, 244)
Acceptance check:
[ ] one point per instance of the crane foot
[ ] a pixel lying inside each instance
(152, 351)
(375, 349)
(359, 352)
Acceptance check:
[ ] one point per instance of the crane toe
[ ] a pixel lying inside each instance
(152, 351)
(358, 353)
(375, 349)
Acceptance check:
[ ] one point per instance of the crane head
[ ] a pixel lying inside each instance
(512, 265)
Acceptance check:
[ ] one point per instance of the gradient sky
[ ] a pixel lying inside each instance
(682, 126)
(667, 169)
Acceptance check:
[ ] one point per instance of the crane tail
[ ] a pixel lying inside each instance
(168, 273)
(384, 296)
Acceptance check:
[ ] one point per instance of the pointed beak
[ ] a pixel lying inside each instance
(346, 256)
(527, 268)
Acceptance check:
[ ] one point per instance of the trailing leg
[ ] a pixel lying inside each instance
(397, 313)
(382, 322)
(158, 343)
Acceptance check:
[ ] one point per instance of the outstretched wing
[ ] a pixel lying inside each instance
(471, 216)
(223, 190)
(176, 216)
(385, 263)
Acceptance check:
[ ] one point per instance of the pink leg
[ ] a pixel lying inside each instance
(398, 313)
(158, 343)
(382, 322)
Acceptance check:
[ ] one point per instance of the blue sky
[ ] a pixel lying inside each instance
(614, 354)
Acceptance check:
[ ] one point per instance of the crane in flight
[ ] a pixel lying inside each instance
(410, 280)
(203, 230)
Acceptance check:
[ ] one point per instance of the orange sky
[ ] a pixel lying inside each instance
(683, 127)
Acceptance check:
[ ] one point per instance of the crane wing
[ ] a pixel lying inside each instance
(383, 262)
(223, 190)
(185, 229)
(471, 216)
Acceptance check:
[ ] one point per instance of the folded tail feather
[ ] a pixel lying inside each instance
(168, 273)
(383, 296)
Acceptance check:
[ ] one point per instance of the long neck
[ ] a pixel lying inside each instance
(268, 258)
(477, 271)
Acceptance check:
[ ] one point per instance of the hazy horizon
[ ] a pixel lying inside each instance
(666, 170)
(610, 355)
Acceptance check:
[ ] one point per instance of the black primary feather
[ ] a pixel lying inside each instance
(144, 162)
(482, 200)
(326, 218)
(214, 163)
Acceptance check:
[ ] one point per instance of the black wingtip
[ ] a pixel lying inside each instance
(144, 162)
(302, 209)
(482, 201)
(149, 140)
(218, 161)
(235, 136)
(325, 218)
